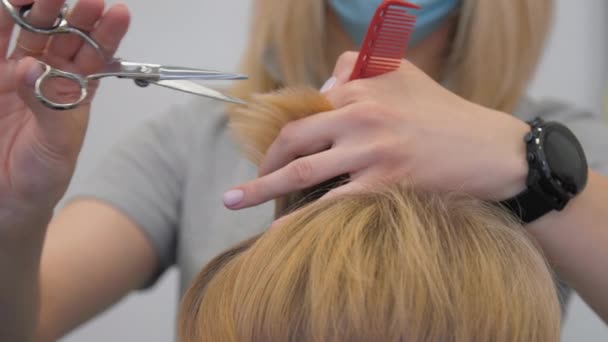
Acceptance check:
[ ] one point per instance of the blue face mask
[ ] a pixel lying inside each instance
(356, 15)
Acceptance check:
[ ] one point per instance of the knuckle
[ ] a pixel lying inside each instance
(301, 172)
(368, 113)
(286, 134)
(379, 149)
(388, 150)
(356, 91)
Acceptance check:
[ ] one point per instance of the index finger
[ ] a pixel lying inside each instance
(300, 174)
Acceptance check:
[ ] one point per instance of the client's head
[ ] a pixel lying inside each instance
(387, 264)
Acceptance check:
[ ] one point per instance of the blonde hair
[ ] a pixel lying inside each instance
(389, 264)
(494, 54)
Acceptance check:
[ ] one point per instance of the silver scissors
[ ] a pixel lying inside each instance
(177, 78)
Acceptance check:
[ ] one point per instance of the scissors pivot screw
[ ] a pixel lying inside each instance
(145, 69)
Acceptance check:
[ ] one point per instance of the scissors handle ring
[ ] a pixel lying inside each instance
(50, 73)
(19, 14)
(61, 24)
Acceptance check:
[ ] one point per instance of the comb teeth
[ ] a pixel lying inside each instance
(386, 39)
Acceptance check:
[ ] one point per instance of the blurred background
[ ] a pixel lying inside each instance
(211, 34)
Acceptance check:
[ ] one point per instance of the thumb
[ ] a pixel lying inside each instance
(26, 74)
(342, 71)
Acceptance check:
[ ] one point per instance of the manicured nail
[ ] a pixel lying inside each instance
(233, 197)
(328, 84)
(33, 73)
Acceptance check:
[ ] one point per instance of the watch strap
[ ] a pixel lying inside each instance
(528, 205)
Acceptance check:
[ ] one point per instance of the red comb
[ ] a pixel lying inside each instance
(386, 39)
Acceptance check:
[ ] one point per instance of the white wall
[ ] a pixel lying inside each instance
(211, 34)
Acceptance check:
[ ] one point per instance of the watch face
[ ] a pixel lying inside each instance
(566, 158)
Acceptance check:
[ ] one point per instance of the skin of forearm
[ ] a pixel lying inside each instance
(575, 241)
(20, 250)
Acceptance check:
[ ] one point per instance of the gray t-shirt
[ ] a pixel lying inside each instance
(169, 175)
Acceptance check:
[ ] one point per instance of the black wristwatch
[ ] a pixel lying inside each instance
(558, 171)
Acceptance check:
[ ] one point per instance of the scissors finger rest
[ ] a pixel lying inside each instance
(61, 25)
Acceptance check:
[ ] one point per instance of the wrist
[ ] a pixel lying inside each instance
(516, 165)
(22, 222)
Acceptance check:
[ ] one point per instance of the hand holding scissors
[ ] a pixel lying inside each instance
(178, 78)
(39, 146)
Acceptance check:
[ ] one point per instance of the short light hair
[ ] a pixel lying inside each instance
(494, 54)
(387, 264)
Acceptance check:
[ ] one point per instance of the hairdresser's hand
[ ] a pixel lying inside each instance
(399, 127)
(39, 146)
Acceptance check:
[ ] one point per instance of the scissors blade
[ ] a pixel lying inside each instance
(183, 73)
(197, 89)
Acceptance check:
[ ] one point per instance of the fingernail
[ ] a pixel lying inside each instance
(33, 73)
(233, 197)
(328, 84)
